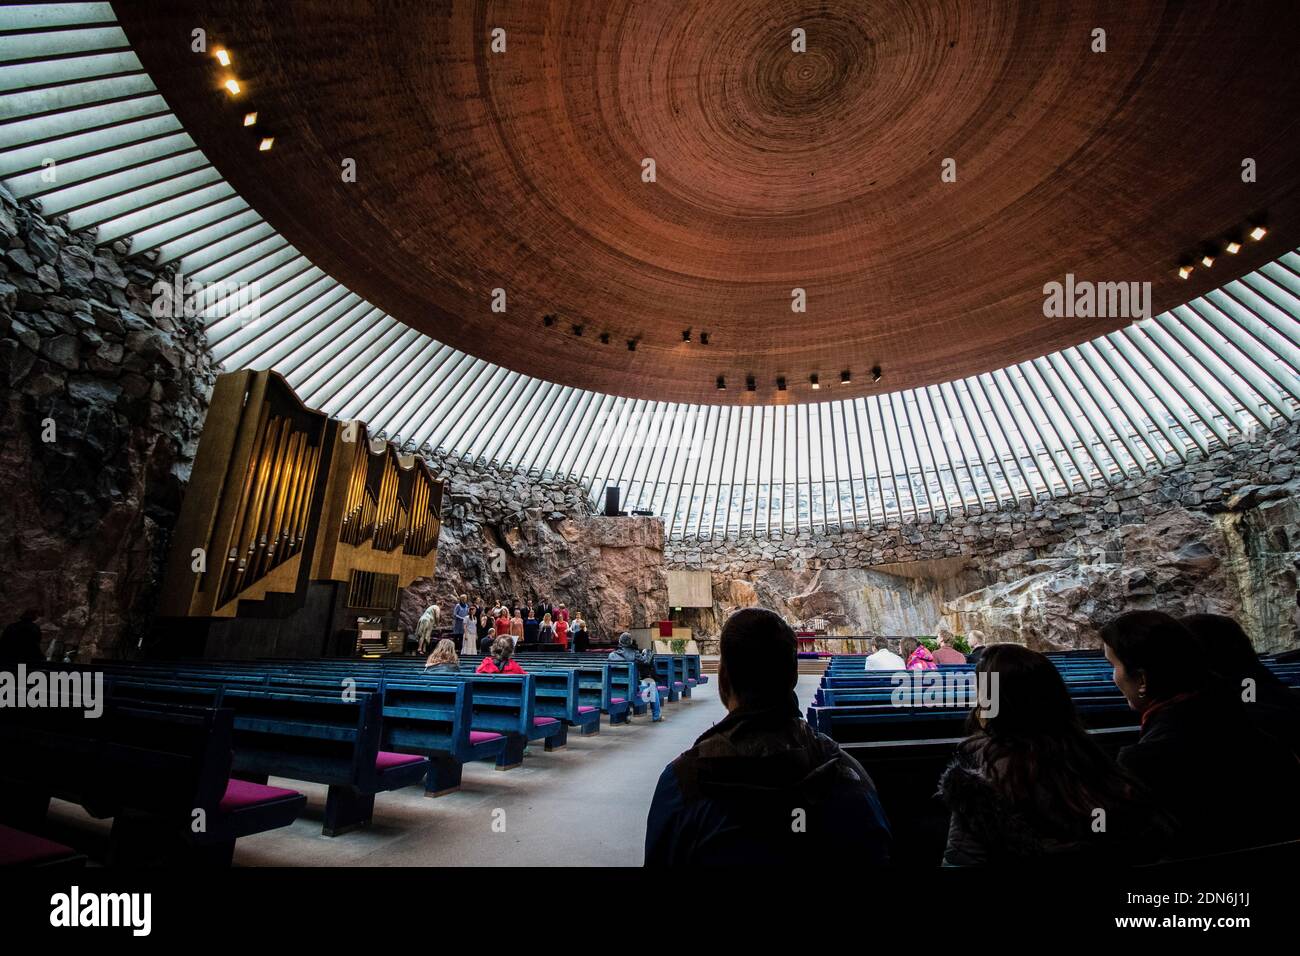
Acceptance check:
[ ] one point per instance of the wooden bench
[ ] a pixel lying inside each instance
(161, 772)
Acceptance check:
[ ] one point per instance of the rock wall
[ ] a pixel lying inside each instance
(102, 411)
(1220, 533)
(515, 537)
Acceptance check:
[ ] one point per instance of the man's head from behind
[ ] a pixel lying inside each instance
(759, 665)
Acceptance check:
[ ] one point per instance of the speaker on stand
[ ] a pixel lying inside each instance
(611, 501)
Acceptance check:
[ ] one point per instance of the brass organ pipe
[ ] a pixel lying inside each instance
(248, 571)
(248, 529)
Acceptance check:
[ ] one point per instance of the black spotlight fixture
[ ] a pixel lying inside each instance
(780, 383)
(548, 320)
(631, 345)
(812, 380)
(846, 377)
(686, 335)
(704, 338)
(604, 338)
(876, 374)
(750, 384)
(722, 384)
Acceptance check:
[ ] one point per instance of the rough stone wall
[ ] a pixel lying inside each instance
(510, 537)
(1220, 533)
(102, 411)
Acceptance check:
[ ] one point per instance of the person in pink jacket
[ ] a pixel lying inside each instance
(918, 657)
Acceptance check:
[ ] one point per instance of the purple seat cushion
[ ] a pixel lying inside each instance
(482, 736)
(663, 688)
(543, 721)
(17, 847)
(241, 794)
(387, 760)
(585, 710)
(677, 683)
(618, 700)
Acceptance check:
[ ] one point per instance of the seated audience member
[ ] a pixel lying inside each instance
(517, 627)
(976, 641)
(1198, 753)
(882, 658)
(530, 628)
(500, 660)
(486, 641)
(626, 653)
(1270, 705)
(443, 658)
(947, 653)
(732, 797)
(21, 641)
(917, 655)
(562, 634)
(1027, 784)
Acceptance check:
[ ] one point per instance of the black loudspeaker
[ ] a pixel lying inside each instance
(611, 501)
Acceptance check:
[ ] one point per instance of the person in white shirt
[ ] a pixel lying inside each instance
(882, 658)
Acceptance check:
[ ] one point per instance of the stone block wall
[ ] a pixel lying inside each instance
(1220, 533)
(103, 405)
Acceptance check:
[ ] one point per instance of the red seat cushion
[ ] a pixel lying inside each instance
(241, 794)
(17, 847)
(387, 761)
(482, 736)
(543, 721)
(618, 700)
(585, 710)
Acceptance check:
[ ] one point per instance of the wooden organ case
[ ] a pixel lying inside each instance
(297, 533)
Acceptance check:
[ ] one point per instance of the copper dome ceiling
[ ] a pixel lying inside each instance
(775, 170)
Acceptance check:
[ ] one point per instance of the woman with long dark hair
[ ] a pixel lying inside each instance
(1270, 705)
(1198, 753)
(1029, 785)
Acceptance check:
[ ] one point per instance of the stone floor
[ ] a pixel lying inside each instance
(582, 806)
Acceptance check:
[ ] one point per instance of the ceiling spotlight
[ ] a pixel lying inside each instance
(750, 384)
(631, 345)
(686, 335)
(266, 144)
(548, 320)
(704, 338)
(1258, 233)
(232, 85)
(845, 377)
(577, 330)
(1233, 247)
(812, 380)
(876, 374)
(604, 338)
(722, 384)
(780, 384)
(250, 119)
(1184, 271)
(222, 55)
(1207, 260)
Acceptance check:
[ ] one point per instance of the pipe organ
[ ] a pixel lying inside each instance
(283, 499)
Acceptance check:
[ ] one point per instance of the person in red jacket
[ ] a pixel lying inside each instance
(562, 634)
(500, 662)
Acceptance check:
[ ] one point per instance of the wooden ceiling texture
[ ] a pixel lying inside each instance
(775, 170)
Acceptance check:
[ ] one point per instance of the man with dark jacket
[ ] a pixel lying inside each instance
(762, 787)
